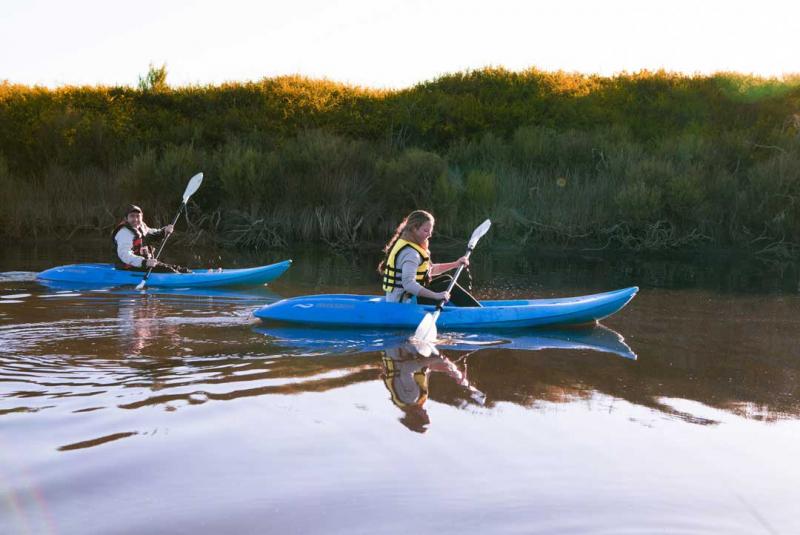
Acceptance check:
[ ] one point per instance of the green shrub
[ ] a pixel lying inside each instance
(480, 192)
(320, 168)
(407, 181)
(639, 202)
(247, 177)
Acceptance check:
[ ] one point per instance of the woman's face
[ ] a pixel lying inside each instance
(423, 232)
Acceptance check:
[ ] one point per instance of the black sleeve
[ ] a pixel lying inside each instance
(156, 234)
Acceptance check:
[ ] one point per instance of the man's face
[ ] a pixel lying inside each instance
(134, 219)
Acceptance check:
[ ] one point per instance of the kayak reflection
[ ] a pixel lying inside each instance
(406, 373)
(321, 341)
(259, 293)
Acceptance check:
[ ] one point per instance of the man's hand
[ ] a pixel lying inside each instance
(168, 230)
(151, 262)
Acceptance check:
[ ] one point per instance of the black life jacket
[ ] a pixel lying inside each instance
(139, 248)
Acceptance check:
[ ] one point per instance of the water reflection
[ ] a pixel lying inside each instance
(140, 325)
(321, 341)
(406, 374)
(407, 365)
(182, 348)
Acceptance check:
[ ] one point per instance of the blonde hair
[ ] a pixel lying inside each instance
(414, 220)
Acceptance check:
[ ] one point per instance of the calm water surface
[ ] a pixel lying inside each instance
(177, 412)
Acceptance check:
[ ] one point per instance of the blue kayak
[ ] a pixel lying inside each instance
(370, 311)
(108, 275)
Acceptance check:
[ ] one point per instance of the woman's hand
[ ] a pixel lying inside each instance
(442, 296)
(463, 261)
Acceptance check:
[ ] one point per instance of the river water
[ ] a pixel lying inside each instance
(176, 412)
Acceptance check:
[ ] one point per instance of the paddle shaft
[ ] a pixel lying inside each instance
(164, 241)
(450, 286)
(426, 330)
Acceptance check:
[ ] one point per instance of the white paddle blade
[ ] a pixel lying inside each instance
(424, 348)
(140, 286)
(479, 232)
(477, 396)
(194, 185)
(426, 331)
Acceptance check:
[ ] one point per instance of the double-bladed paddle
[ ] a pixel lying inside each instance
(194, 185)
(426, 331)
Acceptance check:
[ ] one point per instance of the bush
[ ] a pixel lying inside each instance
(157, 181)
(407, 181)
(480, 193)
(639, 202)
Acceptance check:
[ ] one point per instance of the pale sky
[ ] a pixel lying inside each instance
(387, 43)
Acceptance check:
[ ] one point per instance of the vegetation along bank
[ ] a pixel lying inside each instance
(646, 162)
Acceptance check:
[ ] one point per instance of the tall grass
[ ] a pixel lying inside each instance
(646, 161)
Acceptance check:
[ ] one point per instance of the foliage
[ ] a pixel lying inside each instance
(154, 80)
(648, 160)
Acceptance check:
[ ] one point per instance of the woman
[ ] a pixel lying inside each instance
(408, 273)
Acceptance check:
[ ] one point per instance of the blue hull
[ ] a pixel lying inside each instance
(369, 311)
(107, 275)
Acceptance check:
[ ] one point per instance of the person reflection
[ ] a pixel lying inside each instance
(143, 329)
(406, 373)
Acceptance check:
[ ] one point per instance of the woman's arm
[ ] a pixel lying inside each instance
(438, 269)
(409, 264)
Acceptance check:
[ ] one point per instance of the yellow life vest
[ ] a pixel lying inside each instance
(393, 275)
(420, 378)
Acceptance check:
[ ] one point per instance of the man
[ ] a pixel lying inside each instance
(129, 238)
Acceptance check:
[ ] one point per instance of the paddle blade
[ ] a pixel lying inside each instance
(477, 396)
(479, 232)
(426, 331)
(194, 185)
(423, 348)
(140, 286)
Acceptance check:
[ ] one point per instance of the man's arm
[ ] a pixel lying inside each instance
(157, 233)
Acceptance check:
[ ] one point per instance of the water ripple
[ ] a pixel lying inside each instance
(17, 276)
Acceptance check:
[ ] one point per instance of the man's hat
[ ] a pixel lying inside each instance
(132, 208)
